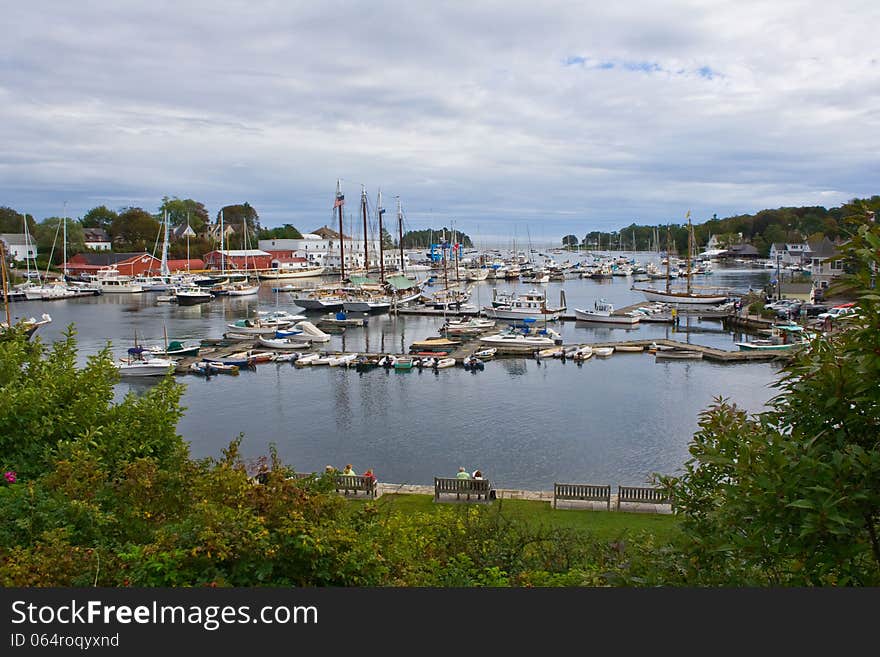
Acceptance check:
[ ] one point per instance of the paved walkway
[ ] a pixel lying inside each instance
(537, 495)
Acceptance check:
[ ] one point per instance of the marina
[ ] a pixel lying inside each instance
(614, 406)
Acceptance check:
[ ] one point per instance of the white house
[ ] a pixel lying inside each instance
(96, 239)
(789, 253)
(18, 246)
(823, 267)
(322, 248)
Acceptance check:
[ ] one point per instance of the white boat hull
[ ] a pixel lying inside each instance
(682, 298)
(605, 318)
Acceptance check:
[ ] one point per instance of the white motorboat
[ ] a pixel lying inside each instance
(603, 312)
(110, 281)
(517, 342)
(190, 296)
(242, 290)
(258, 326)
(141, 363)
(286, 344)
(532, 304)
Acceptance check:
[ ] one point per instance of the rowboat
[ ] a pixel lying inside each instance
(678, 354)
(486, 354)
(426, 362)
(582, 353)
(603, 352)
(551, 352)
(443, 363)
(344, 359)
(403, 363)
(473, 363)
(283, 343)
(629, 347)
(435, 344)
(221, 368)
(261, 356)
(307, 359)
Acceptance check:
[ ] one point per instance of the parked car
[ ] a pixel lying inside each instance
(791, 310)
(813, 309)
(839, 312)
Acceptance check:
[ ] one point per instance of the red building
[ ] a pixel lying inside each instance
(127, 264)
(238, 259)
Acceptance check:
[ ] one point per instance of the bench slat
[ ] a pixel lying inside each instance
(584, 492)
(641, 495)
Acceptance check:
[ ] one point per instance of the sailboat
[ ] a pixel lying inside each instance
(687, 297)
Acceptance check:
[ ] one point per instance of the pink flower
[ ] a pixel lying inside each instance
(10, 477)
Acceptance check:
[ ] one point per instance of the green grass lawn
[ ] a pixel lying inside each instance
(607, 525)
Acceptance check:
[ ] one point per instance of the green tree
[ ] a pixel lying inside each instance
(12, 221)
(791, 496)
(134, 229)
(183, 211)
(49, 233)
(570, 240)
(99, 217)
(285, 232)
(239, 216)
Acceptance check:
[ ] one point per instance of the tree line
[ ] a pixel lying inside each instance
(761, 230)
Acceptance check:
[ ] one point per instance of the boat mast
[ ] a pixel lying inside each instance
(340, 201)
(455, 255)
(222, 256)
(164, 270)
(64, 244)
(5, 285)
(690, 249)
(364, 213)
(380, 211)
(400, 232)
(668, 256)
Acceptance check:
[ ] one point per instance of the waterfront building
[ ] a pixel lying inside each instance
(96, 239)
(18, 246)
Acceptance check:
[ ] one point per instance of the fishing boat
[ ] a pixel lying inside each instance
(403, 363)
(443, 363)
(531, 305)
(192, 295)
(603, 312)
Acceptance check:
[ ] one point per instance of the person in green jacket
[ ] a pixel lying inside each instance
(462, 474)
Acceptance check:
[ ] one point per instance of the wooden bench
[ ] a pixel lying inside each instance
(638, 495)
(584, 492)
(356, 484)
(479, 488)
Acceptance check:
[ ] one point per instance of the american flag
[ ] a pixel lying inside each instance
(340, 200)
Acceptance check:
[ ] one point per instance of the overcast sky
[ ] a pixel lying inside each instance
(509, 118)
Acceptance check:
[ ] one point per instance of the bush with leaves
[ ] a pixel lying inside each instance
(791, 496)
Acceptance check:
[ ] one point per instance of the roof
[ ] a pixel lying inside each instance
(104, 258)
(823, 248)
(743, 249)
(241, 253)
(328, 233)
(18, 239)
(95, 235)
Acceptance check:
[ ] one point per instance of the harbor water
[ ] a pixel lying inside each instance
(525, 423)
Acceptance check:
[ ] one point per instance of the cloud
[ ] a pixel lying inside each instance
(559, 116)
